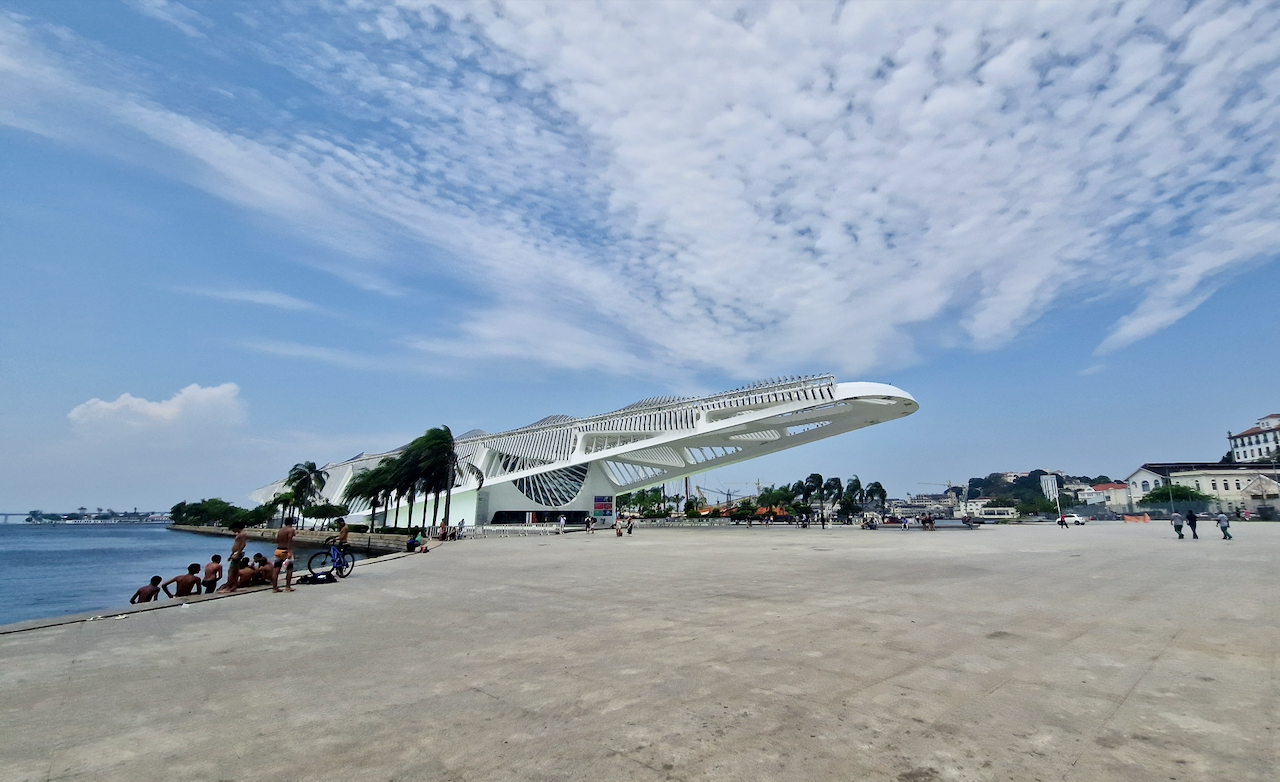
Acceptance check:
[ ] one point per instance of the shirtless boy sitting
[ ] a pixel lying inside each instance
(147, 593)
(264, 571)
(184, 584)
(236, 578)
(212, 572)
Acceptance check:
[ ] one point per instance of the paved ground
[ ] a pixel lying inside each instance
(1106, 652)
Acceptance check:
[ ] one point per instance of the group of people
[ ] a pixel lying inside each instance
(242, 571)
(1190, 520)
(618, 526)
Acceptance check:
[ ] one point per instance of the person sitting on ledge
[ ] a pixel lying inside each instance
(184, 584)
(212, 573)
(263, 571)
(148, 593)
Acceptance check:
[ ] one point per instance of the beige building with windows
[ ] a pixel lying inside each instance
(1231, 487)
(1261, 441)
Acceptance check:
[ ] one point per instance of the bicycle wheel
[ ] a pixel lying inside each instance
(320, 563)
(343, 567)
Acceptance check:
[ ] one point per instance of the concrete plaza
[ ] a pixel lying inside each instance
(1107, 652)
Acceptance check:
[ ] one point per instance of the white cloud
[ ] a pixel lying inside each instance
(192, 408)
(746, 188)
(173, 13)
(275, 299)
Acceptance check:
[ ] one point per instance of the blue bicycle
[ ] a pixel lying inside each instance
(334, 560)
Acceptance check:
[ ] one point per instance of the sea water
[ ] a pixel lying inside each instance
(48, 570)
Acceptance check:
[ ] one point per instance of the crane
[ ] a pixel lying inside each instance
(728, 495)
(949, 486)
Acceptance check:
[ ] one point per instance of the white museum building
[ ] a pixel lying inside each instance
(576, 466)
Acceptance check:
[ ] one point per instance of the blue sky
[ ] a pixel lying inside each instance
(238, 235)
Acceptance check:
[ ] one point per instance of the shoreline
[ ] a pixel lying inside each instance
(129, 609)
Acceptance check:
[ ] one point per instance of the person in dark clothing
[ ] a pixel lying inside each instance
(1191, 522)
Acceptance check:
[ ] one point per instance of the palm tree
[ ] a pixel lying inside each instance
(369, 485)
(832, 490)
(282, 500)
(812, 486)
(876, 493)
(306, 481)
(854, 491)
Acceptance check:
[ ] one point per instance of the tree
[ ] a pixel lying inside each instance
(876, 494)
(1180, 493)
(692, 506)
(306, 481)
(369, 485)
(431, 466)
(326, 511)
(854, 491)
(216, 512)
(832, 490)
(812, 485)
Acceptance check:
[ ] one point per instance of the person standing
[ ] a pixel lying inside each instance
(1223, 524)
(591, 524)
(239, 542)
(617, 527)
(1176, 520)
(284, 557)
(560, 524)
(631, 525)
(1191, 522)
(212, 572)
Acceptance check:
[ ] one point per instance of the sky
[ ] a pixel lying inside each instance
(236, 236)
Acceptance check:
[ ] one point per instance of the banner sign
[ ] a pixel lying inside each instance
(1049, 485)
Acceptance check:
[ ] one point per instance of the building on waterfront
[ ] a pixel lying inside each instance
(1259, 442)
(576, 466)
(1232, 487)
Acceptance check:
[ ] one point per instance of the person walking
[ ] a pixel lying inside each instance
(631, 525)
(1176, 521)
(1223, 524)
(1062, 521)
(560, 524)
(1191, 522)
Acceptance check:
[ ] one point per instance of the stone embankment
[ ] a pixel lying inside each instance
(367, 544)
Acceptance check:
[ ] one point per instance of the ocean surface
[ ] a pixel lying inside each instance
(54, 569)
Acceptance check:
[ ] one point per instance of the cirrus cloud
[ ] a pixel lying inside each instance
(737, 187)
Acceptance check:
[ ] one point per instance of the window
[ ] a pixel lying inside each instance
(1146, 486)
(1214, 484)
(1237, 485)
(1197, 485)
